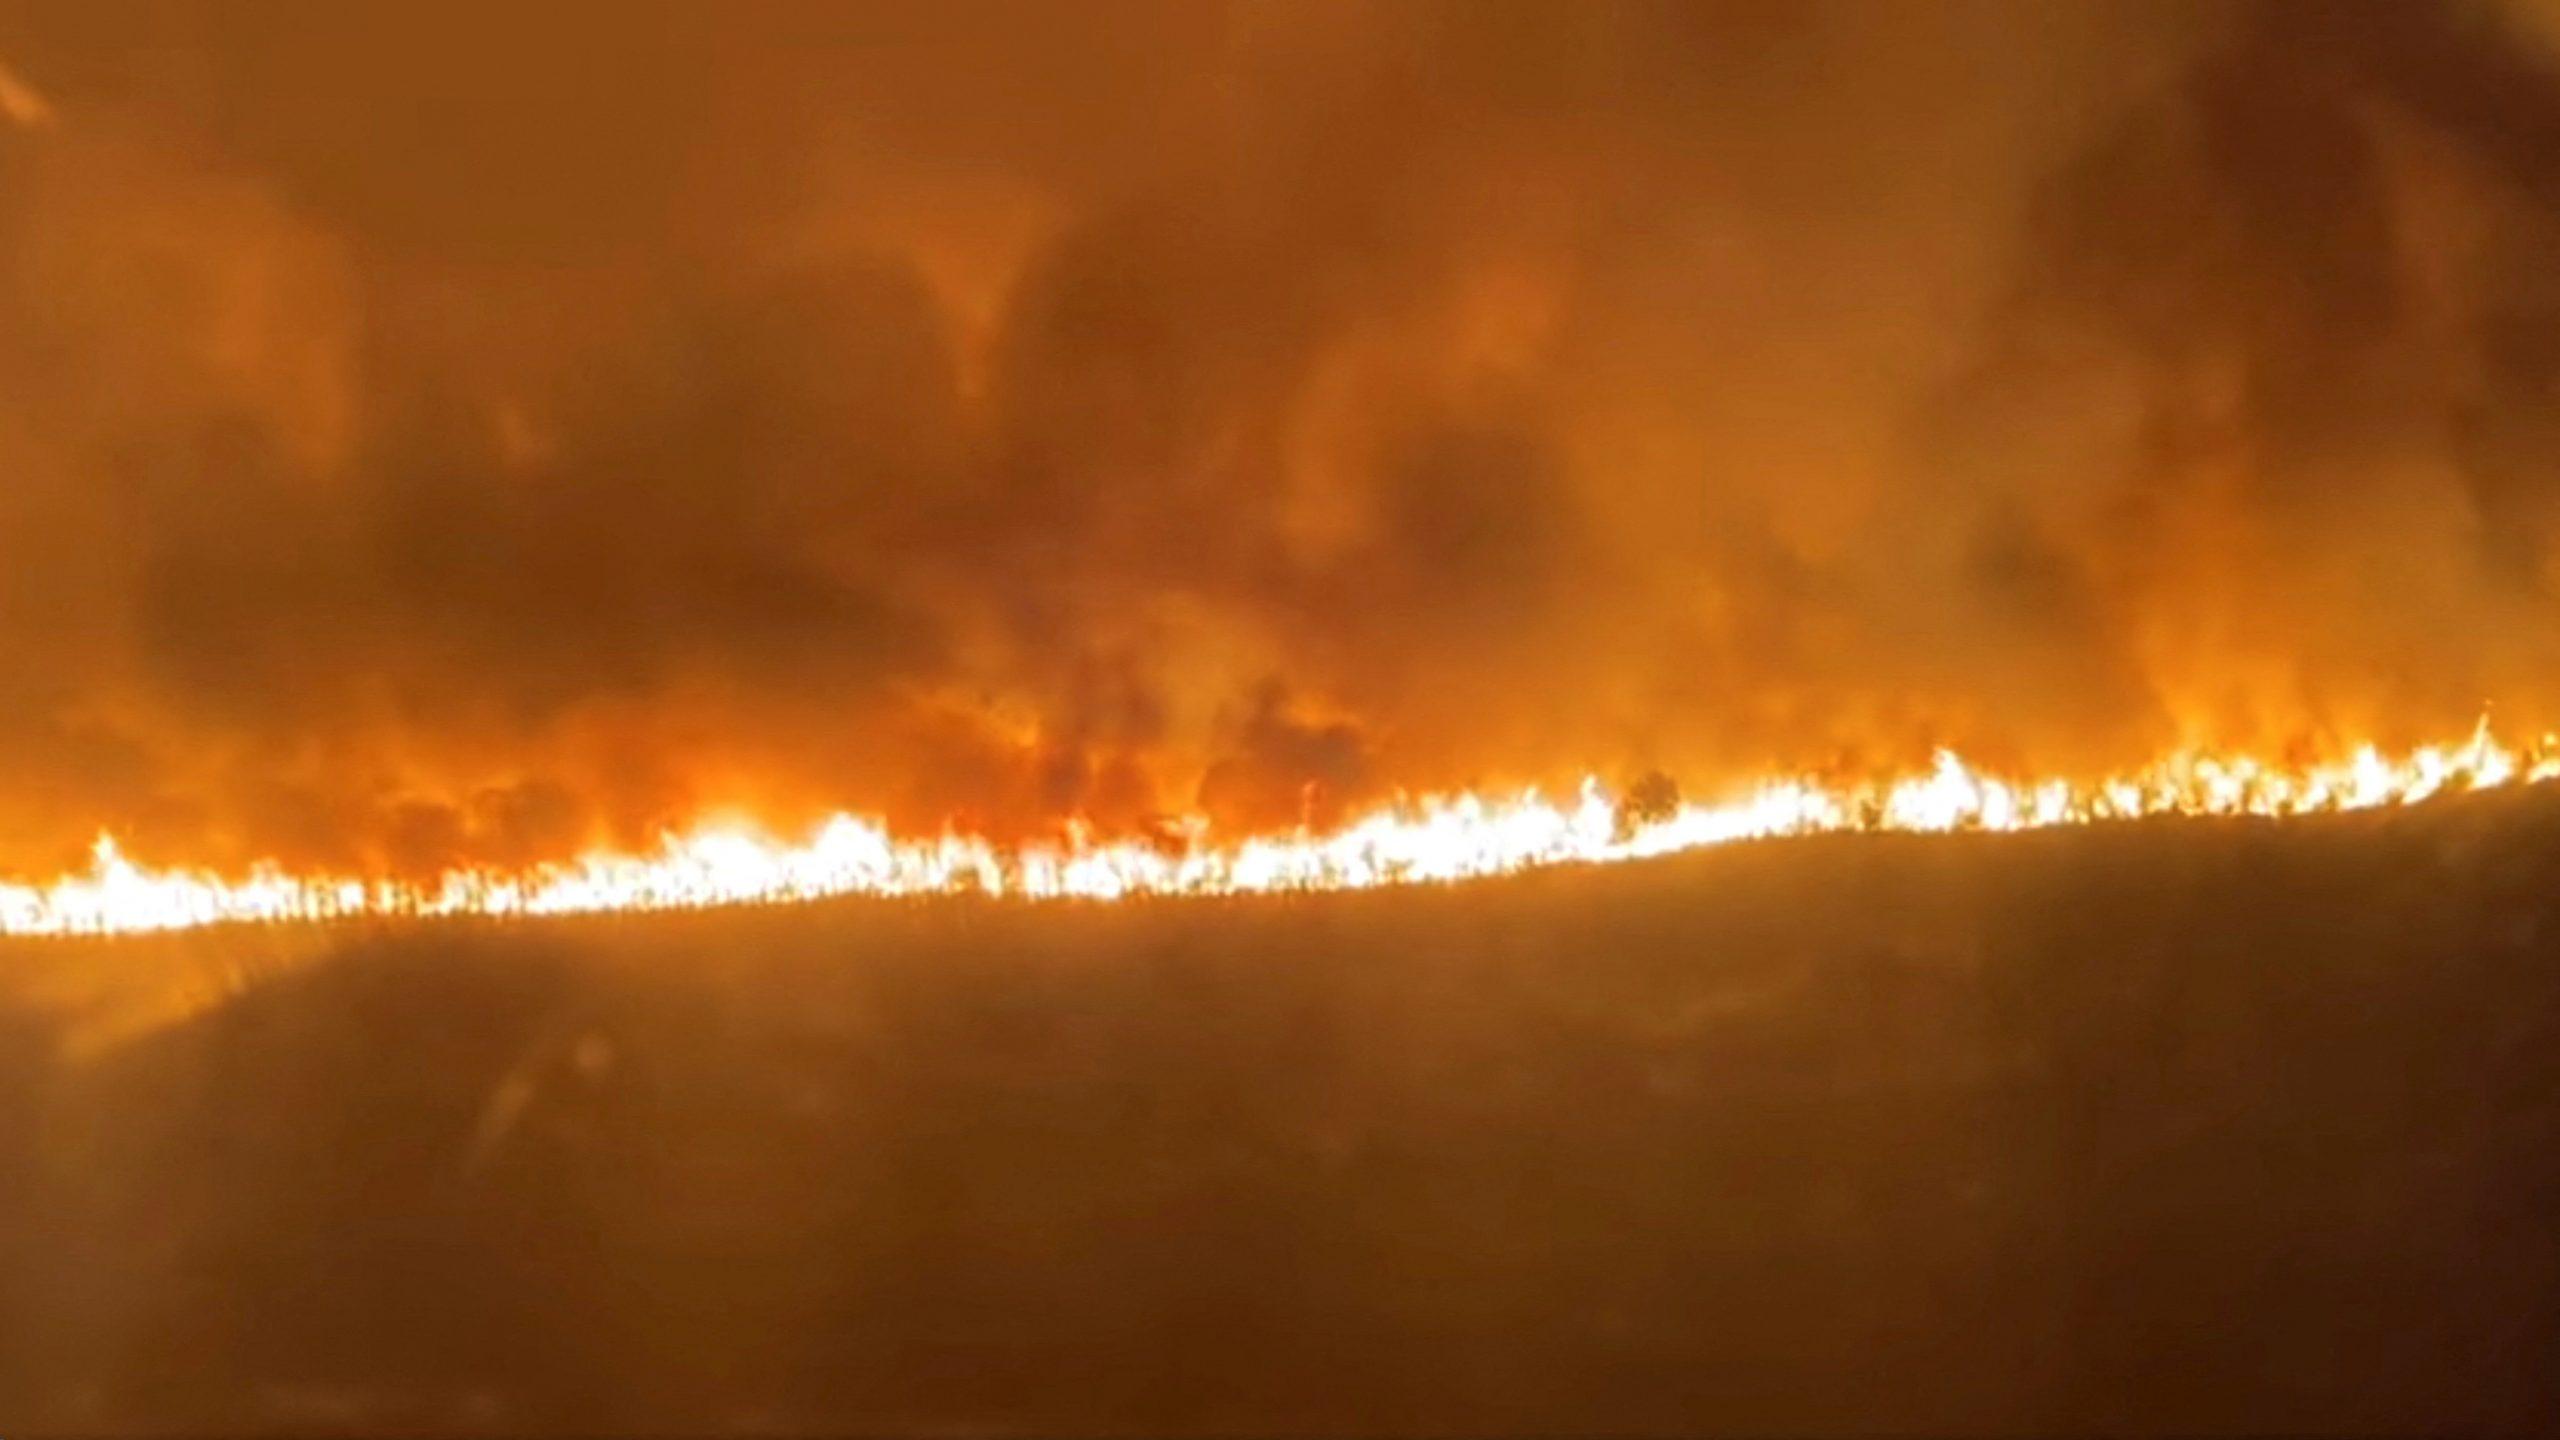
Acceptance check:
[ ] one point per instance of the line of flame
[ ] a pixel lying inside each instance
(1434, 840)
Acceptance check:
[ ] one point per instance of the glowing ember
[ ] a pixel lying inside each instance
(1438, 839)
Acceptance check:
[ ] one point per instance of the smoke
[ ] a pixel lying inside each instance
(20, 103)
(454, 432)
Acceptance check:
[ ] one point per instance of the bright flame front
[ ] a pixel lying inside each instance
(1434, 840)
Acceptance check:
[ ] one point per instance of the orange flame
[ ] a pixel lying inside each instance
(1434, 840)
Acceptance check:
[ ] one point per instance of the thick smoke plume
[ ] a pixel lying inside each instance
(476, 431)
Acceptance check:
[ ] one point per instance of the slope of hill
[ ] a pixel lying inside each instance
(2166, 1127)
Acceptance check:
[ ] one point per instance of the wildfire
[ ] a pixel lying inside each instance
(1433, 840)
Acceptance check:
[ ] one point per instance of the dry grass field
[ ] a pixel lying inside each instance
(2182, 1126)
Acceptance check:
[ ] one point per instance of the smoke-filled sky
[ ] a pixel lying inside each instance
(477, 430)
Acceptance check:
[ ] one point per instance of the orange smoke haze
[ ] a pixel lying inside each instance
(474, 434)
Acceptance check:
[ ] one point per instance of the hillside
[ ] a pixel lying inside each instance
(2176, 1126)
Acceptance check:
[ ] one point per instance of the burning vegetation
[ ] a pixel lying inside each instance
(443, 442)
(1437, 840)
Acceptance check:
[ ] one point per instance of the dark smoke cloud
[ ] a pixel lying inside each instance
(475, 431)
